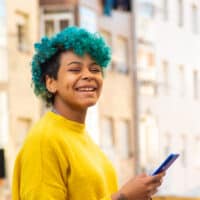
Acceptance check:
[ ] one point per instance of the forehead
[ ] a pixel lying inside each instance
(70, 56)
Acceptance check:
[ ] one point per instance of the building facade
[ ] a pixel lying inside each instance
(19, 108)
(3, 93)
(117, 102)
(168, 74)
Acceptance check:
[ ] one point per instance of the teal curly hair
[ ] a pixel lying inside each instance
(79, 40)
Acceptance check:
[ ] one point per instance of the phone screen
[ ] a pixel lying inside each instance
(166, 163)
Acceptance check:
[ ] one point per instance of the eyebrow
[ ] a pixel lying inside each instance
(74, 62)
(78, 62)
(93, 63)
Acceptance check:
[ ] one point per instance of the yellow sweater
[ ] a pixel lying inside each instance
(59, 161)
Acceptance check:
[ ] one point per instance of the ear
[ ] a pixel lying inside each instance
(51, 84)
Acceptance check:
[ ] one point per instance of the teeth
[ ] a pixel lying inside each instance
(86, 89)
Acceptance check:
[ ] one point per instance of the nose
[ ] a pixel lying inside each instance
(86, 78)
(87, 75)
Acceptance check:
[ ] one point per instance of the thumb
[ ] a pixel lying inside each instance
(142, 175)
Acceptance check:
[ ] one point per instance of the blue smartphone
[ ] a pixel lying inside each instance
(166, 163)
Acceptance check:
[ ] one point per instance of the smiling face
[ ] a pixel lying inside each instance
(78, 84)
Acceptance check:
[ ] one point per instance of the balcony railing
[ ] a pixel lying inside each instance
(57, 2)
(147, 74)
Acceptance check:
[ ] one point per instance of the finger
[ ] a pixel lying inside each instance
(163, 173)
(157, 184)
(153, 192)
(156, 178)
(153, 187)
(143, 175)
(147, 196)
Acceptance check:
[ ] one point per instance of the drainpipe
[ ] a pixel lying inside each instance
(135, 86)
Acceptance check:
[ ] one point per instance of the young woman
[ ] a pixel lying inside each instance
(58, 160)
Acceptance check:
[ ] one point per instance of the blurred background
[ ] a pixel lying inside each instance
(150, 104)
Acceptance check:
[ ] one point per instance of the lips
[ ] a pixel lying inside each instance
(86, 88)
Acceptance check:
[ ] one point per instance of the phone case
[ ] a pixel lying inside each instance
(166, 163)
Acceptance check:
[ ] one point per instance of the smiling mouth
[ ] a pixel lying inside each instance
(86, 89)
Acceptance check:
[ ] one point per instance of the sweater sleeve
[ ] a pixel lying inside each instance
(106, 198)
(43, 172)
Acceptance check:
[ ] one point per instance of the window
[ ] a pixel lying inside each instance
(22, 32)
(107, 134)
(63, 24)
(124, 139)
(120, 57)
(181, 80)
(2, 165)
(146, 9)
(23, 128)
(165, 9)
(124, 5)
(180, 12)
(108, 37)
(146, 59)
(196, 84)
(182, 150)
(3, 118)
(108, 5)
(107, 139)
(54, 22)
(147, 72)
(148, 140)
(49, 28)
(165, 76)
(21, 35)
(197, 150)
(194, 19)
(167, 144)
(4, 65)
(3, 23)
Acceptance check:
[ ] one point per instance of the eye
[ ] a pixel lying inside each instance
(74, 70)
(95, 69)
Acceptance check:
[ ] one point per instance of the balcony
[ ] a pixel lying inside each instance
(146, 32)
(57, 2)
(147, 74)
(147, 79)
(145, 23)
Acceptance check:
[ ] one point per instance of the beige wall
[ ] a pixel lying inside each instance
(23, 106)
(116, 103)
(117, 100)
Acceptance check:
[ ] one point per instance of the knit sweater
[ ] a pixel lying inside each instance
(59, 161)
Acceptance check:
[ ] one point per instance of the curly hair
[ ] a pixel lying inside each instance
(47, 55)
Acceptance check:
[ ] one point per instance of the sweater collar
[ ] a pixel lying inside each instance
(62, 121)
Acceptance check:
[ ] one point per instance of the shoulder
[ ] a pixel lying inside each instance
(41, 135)
(43, 130)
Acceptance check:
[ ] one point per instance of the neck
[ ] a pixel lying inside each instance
(70, 113)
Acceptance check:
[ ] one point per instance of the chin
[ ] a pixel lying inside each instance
(88, 104)
(91, 104)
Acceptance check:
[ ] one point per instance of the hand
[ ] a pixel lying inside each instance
(142, 187)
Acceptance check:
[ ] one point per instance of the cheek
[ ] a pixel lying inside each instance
(100, 85)
(65, 88)
(69, 83)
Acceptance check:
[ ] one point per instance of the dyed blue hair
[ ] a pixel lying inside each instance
(71, 38)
